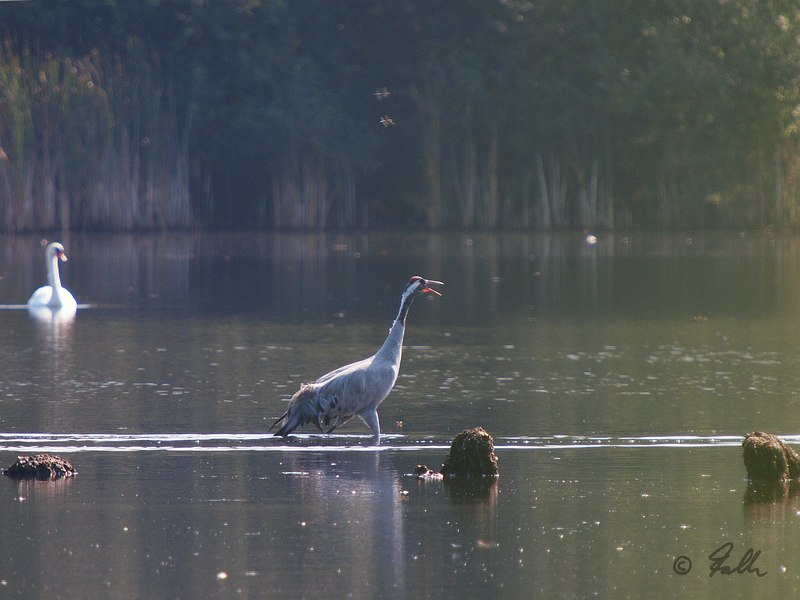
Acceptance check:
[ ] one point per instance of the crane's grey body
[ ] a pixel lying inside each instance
(357, 389)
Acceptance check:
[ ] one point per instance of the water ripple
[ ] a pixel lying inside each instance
(261, 442)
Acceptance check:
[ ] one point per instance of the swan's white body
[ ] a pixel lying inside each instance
(53, 296)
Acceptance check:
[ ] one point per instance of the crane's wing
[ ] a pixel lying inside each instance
(360, 388)
(351, 368)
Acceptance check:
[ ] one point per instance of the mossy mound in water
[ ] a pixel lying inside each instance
(40, 466)
(471, 455)
(767, 458)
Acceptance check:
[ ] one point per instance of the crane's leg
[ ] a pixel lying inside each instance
(370, 418)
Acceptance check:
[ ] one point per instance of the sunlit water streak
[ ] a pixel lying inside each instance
(234, 442)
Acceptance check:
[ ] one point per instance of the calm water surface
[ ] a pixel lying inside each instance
(617, 380)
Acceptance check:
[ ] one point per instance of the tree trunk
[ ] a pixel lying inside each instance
(545, 216)
(489, 196)
(433, 160)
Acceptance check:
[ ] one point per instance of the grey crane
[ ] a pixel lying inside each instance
(357, 389)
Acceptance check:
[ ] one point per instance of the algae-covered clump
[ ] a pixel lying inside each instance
(471, 455)
(40, 466)
(767, 458)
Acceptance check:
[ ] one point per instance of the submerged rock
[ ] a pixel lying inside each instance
(423, 472)
(40, 466)
(767, 458)
(471, 455)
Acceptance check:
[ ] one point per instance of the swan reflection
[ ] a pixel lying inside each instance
(56, 323)
(58, 316)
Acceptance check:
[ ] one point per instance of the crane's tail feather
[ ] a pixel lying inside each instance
(302, 410)
(281, 418)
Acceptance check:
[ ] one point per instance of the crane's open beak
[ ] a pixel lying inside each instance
(428, 290)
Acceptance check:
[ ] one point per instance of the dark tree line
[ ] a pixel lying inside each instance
(541, 114)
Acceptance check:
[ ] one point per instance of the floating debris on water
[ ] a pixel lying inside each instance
(423, 472)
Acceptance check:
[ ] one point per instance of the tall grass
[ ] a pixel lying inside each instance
(301, 193)
(89, 142)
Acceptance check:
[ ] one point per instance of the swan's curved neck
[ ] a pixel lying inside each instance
(52, 272)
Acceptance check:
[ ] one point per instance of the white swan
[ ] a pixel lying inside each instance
(53, 296)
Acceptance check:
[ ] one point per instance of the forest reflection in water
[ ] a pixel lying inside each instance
(494, 275)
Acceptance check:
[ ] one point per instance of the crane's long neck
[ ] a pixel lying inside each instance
(392, 349)
(52, 272)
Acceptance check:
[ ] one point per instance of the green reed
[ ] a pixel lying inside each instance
(89, 142)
